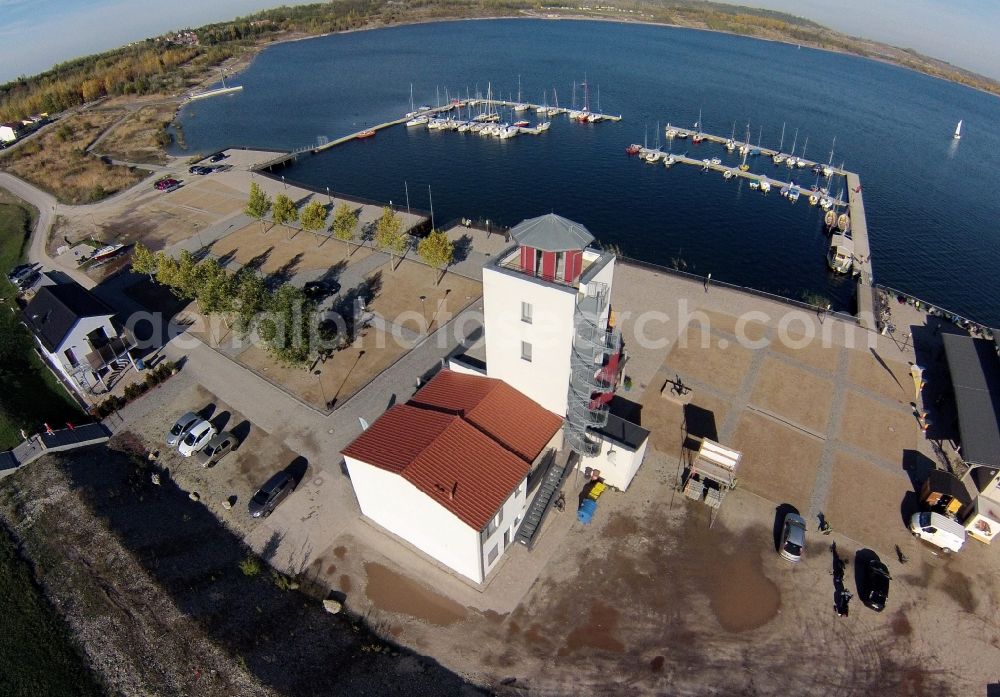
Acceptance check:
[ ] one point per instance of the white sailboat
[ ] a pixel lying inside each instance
(519, 106)
(958, 131)
(416, 118)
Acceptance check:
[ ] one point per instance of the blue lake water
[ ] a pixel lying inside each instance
(932, 203)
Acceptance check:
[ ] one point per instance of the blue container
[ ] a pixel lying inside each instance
(586, 511)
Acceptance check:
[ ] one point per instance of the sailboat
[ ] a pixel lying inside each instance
(416, 118)
(543, 108)
(519, 106)
(583, 115)
(802, 160)
(731, 143)
(778, 156)
(745, 150)
(958, 131)
(791, 158)
(554, 110)
(698, 136)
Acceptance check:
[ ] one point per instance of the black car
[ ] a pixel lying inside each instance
(876, 585)
(321, 289)
(271, 494)
(217, 157)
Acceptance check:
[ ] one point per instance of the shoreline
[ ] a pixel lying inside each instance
(533, 15)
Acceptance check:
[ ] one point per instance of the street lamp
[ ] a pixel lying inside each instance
(322, 390)
(283, 182)
(423, 306)
(328, 198)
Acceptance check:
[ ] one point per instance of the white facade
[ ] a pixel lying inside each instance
(7, 134)
(76, 347)
(545, 377)
(618, 463)
(401, 508)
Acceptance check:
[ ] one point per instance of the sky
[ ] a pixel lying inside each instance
(36, 34)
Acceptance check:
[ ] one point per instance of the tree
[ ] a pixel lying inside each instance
(287, 328)
(185, 280)
(258, 205)
(144, 261)
(345, 222)
(314, 216)
(284, 211)
(389, 235)
(437, 251)
(166, 269)
(214, 287)
(251, 299)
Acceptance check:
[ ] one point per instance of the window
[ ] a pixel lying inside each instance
(526, 312)
(525, 351)
(560, 264)
(495, 523)
(492, 556)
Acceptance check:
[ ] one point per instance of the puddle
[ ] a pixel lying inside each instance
(656, 665)
(596, 633)
(397, 593)
(900, 625)
(340, 552)
(959, 588)
(332, 568)
(345, 583)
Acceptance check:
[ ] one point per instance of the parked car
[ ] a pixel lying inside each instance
(167, 184)
(793, 537)
(197, 437)
(217, 157)
(201, 169)
(20, 270)
(321, 289)
(876, 585)
(274, 491)
(215, 449)
(25, 280)
(181, 427)
(941, 531)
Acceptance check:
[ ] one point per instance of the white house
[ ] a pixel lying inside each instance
(454, 470)
(474, 461)
(550, 333)
(9, 132)
(76, 334)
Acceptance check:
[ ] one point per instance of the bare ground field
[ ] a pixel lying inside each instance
(138, 137)
(57, 161)
(150, 584)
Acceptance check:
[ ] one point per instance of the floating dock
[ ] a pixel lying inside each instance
(214, 93)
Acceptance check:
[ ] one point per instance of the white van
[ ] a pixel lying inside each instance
(939, 530)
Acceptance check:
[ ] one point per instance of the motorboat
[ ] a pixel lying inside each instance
(830, 219)
(417, 121)
(464, 127)
(522, 124)
(779, 158)
(367, 133)
(706, 164)
(791, 161)
(754, 184)
(716, 161)
(107, 252)
(651, 156)
(671, 132)
(543, 126)
(793, 193)
(669, 160)
(730, 145)
(840, 257)
(682, 134)
(633, 149)
(728, 174)
(813, 199)
(844, 223)
(825, 203)
(765, 186)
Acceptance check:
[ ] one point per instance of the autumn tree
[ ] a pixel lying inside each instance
(313, 216)
(213, 287)
(389, 236)
(284, 211)
(345, 222)
(144, 261)
(258, 205)
(437, 251)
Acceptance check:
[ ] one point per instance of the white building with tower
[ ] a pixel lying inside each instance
(552, 343)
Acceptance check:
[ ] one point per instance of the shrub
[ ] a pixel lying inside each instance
(250, 566)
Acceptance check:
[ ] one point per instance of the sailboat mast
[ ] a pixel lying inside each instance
(804, 146)
(782, 144)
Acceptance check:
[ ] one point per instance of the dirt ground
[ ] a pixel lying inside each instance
(135, 138)
(272, 250)
(56, 160)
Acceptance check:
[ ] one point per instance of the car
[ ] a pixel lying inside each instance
(876, 585)
(168, 184)
(215, 449)
(196, 438)
(321, 289)
(217, 157)
(181, 427)
(201, 169)
(793, 537)
(27, 280)
(274, 491)
(20, 270)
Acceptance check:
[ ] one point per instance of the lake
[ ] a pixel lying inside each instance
(931, 201)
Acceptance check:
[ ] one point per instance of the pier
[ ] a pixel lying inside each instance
(855, 207)
(214, 93)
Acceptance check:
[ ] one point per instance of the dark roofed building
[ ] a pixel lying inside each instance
(975, 375)
(77, 335)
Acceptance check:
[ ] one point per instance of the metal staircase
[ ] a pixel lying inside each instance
(552, 481)
(593, 345)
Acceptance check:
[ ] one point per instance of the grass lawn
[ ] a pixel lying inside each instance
(37, 655)
(29, 394)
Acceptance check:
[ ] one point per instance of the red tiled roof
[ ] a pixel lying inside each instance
(515, 421)
(464, 440)
(444, 457)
